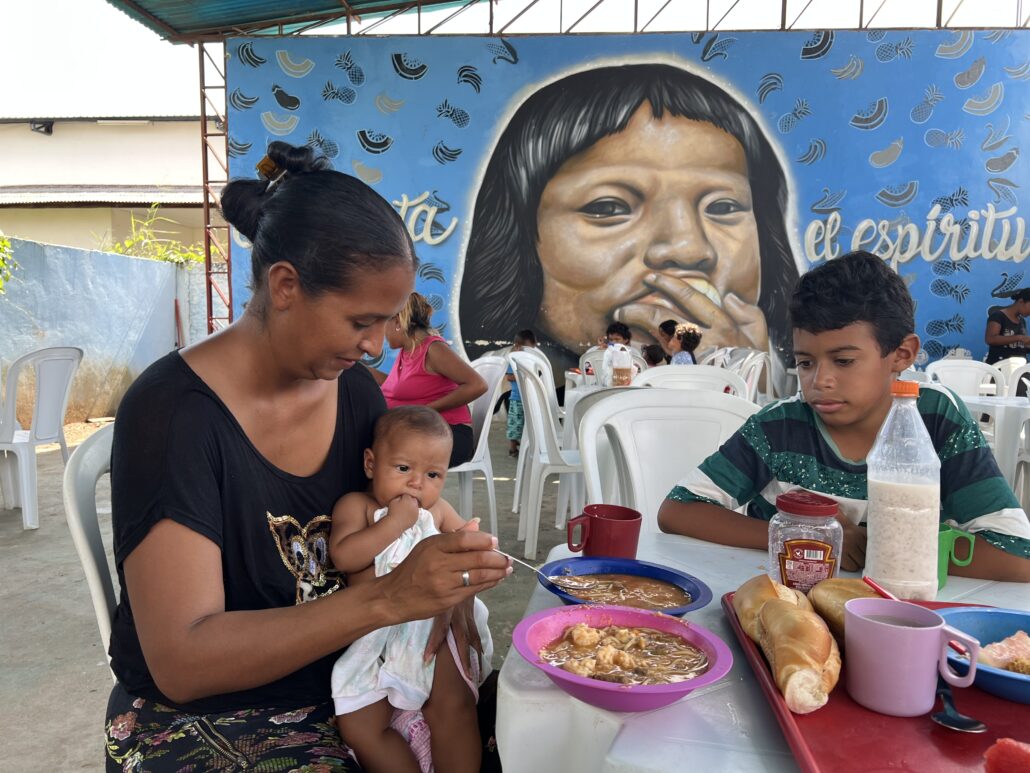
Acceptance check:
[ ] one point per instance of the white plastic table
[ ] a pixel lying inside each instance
(1009, 415)
(726, 726)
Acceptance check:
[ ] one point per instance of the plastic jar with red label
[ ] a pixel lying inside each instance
(805, 540)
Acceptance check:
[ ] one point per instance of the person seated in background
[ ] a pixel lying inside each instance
(1006, 333)
(616, 334)
(853, 322)
(654, 355)
(664, 336)
(684, 342)
(516, 415)
(428, 372)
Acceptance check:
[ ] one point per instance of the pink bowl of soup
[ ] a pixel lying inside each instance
(550, 626)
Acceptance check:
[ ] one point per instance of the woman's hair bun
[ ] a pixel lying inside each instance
(243, 201)
(296, 159)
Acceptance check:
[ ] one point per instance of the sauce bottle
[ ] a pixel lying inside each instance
(805, 540)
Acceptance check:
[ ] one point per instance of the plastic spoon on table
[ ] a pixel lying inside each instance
(555, 581)
(948, 716)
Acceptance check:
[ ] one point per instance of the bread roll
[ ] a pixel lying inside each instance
(803, 657)
(829, 596)
(752, 595)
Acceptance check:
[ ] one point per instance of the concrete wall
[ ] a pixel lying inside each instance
(89, 228)
(119, 310)
(95, 153)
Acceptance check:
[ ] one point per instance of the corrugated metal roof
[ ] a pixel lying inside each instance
(24, 195)
(186, 20)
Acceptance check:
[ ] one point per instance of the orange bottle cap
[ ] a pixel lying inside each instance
(905, 388)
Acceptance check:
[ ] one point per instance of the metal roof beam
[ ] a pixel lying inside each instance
(589, 11)
(461, 10)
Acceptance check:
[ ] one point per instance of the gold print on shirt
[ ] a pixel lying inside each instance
(305, 552)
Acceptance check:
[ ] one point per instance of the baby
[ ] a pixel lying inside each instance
(372, 533)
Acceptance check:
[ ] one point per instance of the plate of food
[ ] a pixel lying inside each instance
(625, 582)
(1003, 667)
(619, 658)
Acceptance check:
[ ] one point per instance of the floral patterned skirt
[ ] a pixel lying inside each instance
(143, 736)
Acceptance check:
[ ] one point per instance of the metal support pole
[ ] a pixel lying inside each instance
(214, 145)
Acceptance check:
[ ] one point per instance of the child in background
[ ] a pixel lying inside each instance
(386, 670)
(666, 332)
(853, 322)
(654, 355)
(516, 415)
(684, 342)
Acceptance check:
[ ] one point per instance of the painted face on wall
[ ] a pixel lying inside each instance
(652, 223)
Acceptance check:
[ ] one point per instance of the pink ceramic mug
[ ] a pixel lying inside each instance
(610, 531)
(894, 651)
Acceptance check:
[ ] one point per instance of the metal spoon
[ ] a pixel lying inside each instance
(555, 581)
(949, 717)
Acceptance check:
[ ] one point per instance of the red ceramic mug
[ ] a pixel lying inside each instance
(610, 531)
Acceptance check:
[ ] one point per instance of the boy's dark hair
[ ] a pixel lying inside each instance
(524, 337)
(857, 287)
(621, 329)
(653, 354)
(411, 418)
(1021, 295)
(668, 327)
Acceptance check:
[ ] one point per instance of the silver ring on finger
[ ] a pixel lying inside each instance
(465, 578)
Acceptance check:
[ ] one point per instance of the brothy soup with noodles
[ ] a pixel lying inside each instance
(626, 655)
(626, 590)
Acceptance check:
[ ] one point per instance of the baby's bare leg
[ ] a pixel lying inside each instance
(379, 747)
(451, 715)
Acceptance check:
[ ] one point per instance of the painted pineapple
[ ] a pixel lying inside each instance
(456, 115)
(789, 120)
(936, 138)
(938, 327)
(921, 113)
(888, 52)
(354, 71)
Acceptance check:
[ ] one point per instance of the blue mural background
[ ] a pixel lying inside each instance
(902, 142)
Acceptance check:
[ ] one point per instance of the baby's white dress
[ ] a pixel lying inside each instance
(387, 663)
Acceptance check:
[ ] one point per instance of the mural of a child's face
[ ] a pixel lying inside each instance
(654, 222)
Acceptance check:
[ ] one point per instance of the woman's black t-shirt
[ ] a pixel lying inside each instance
(1008, 328)
(179, 453)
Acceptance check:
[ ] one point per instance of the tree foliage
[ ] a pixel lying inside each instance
(147, 240)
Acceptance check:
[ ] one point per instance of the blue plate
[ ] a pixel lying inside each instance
(697, 590)
(988, 625)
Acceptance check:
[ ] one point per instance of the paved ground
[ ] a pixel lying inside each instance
(55, 680)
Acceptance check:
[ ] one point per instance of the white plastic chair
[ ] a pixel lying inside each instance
(543, 454)
(692, 377)
(717, 357)
(91, 460)
(966, 377)
(1015, 377)
(592, 360)
(54, 369)
(911, 374)
(751, 369)
(656, 437)
(542, 367)
(492, 370)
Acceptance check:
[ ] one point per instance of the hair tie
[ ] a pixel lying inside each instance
(271, 171)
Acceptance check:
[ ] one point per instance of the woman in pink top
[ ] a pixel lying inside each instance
(426, 372)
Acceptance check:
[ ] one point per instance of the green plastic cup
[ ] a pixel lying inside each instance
(947, 539)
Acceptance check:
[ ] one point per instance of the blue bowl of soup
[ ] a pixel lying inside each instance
(634, 591)
(988, 625)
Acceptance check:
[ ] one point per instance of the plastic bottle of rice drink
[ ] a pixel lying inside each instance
(904, 476)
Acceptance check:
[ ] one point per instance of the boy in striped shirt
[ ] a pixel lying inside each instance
(853, 324)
